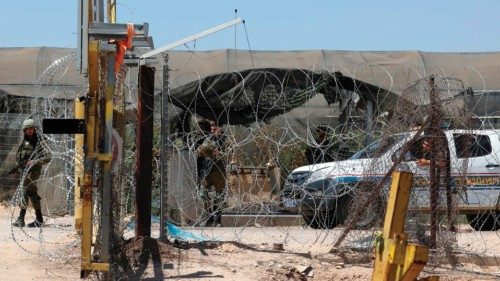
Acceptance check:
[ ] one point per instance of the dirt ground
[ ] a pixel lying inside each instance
(53, 253)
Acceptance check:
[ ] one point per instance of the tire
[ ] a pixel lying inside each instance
(320, 220)
(348, 204)
(489, 221)
(342, 212)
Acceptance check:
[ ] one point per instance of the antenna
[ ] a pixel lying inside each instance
(235, 28)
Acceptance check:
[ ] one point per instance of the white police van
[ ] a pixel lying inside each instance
(325, 193)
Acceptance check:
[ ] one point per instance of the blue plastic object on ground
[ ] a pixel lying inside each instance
(178, 233)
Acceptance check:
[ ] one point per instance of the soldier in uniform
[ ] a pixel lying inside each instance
(198, 139)
(31, 156)
(323, 151)
(213, 173)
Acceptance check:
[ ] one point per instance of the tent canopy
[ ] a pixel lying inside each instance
(257, 95)
(22, 68)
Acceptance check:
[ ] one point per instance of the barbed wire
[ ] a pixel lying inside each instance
(264, 195)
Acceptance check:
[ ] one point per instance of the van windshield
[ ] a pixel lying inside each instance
(377, 148)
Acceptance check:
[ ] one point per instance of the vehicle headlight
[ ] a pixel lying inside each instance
(315, 193)
(337, 190)
(297, 178)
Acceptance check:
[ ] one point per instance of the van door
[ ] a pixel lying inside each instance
(476, 154)
(419, 198)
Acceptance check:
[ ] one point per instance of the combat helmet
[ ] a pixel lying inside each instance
(28, 123)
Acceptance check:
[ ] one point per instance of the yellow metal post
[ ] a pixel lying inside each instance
(90, 118)
(111, 11)
(397, 204)
(91, 131)
(394, 223)
(416, 258)
(91, 142)
(79, 114)
(395, 258)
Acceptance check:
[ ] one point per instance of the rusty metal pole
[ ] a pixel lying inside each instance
(106, 161)
(434, 176)
(144, 152)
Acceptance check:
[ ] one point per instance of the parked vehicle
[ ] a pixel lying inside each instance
(329, 192)
(292, 192)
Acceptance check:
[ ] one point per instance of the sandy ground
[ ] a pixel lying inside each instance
(48, 253)
(293, 253)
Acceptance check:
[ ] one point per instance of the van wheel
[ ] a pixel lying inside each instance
(320, 220)
(489, 221)
(347, 205)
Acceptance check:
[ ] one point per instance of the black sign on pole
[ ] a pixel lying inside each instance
(63, 126)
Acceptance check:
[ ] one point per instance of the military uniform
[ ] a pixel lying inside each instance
(31, 155)
(321, 153)
(38, 155)
(213, 175)
(198, 138)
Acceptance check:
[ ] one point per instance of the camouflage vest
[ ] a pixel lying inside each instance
(39, 154)
(206, 149)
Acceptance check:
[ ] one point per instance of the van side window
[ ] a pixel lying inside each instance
(471, 145)
(377, 148)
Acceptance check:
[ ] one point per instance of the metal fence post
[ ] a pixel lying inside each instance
(164, 152)
(144, 140)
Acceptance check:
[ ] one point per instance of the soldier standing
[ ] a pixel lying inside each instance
(213, 174)
(199, 138)
(31, 156)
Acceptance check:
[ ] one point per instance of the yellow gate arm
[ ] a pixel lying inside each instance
(395, 258)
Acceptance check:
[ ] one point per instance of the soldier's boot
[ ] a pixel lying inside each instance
(210, 220)
(210, 217)
(215, 216)
(217, 209)
(38, 221)
(20, 220)
(218, 218)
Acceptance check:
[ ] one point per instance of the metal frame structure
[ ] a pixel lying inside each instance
(95, 55)
(164, 113)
